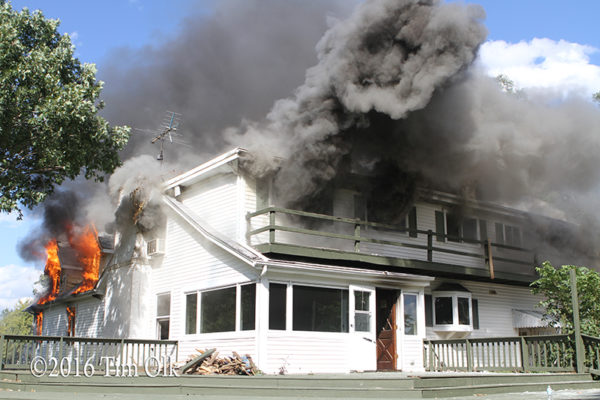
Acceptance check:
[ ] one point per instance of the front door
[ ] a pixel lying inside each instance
(387, 354)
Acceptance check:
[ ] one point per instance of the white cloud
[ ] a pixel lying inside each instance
(16, 282)
(543, 64)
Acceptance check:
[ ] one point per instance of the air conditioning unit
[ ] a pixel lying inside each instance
(156, 247)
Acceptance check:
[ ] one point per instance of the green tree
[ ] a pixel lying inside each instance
(554, 285)
(596, 97)
(16, 321)
(49, 102)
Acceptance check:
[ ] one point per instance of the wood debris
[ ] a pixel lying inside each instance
(215, 365)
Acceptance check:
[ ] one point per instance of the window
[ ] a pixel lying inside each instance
(411, 221)
(320, 309)
(217, 312)
(428, 310)
(483, 230)
(499, 233)
(453, 308)
(277, 306)
(443, 310)
(163, 312)
(509, 235)
(362, 315)
(410, 314)
(469, 229)
(463, 311)
(191, 313)
(248, 307)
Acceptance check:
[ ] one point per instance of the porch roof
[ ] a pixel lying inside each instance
(528, 319)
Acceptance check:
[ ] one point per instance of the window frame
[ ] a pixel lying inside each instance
(163, 317)
(237, 313)
(455, 326)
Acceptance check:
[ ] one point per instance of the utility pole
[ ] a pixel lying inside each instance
(579, 351)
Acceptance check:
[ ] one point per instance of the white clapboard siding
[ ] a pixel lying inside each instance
(216, 202)
(411, 355)
(89, 317)
(226, 344)
(55, 321)
(308, 352)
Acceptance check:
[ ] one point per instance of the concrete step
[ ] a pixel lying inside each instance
(479, 390)
(487, 379)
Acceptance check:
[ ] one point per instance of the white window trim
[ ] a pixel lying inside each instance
(417, 326)
(455, 326)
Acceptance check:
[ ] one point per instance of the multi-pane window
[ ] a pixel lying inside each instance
(362, 314)
(508, 234)
(163, 313)
(410, 314)
(444, 312)
(218, 310)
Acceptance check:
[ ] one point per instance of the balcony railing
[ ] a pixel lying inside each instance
(282, 226)
(18, 351)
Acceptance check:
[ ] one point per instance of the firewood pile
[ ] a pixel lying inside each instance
(208, 362)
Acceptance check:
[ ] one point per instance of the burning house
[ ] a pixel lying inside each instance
(366, 213)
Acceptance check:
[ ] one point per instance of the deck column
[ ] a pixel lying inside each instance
(524, 355)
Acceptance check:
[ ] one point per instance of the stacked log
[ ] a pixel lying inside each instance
(208, 362)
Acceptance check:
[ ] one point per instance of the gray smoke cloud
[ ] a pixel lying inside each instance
(389, 92)
(388, 57)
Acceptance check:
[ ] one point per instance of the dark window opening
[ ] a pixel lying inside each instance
(218, 311)
(453, 227)
(443, 311)
(70, 321)
(277, 306)
(163, 329)
(469, 229)
(191, 313)
(428, 310)
(320, 309)
(483, 230)
(463, 311)
(248, 306)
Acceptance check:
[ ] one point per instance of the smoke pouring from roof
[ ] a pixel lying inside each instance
(392, 94)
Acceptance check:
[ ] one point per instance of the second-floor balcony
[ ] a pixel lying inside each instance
(337, 239)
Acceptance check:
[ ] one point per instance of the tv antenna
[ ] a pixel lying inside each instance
(167, 131)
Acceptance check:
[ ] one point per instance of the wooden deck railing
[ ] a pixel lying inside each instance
(18, 351)
(553, 353)
(592, 353)
(357, 233)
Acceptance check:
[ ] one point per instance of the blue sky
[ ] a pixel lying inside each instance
(568, 33)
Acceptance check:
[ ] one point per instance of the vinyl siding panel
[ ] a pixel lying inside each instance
(225, 343)
(307, 352)
(89, 318)
(55, 321)
(216, 201)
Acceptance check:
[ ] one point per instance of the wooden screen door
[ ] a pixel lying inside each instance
(387, 354)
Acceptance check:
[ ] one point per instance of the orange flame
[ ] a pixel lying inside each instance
(52, 270)
(88, 254)
(39, 323)
(71, 321)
